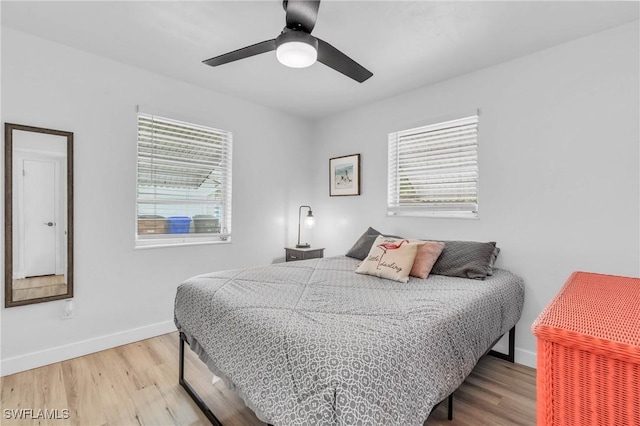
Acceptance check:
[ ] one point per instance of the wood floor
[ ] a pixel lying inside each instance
(35, 287)
(137, 384)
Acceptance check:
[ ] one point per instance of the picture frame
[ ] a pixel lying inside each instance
(344, 175)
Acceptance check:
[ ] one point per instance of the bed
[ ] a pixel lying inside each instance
(312, 342)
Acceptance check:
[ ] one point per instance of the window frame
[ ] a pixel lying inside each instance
(187, 239)
(462, 210)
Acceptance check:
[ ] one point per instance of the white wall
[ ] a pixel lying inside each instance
(559, 160)
(559, 180)
(122, 294)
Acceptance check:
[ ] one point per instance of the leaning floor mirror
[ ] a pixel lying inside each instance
(38, 215)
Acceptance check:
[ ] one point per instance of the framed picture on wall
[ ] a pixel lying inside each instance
(344, 175)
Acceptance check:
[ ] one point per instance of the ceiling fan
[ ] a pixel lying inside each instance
(295, 46)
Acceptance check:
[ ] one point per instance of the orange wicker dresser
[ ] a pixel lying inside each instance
(589, 353)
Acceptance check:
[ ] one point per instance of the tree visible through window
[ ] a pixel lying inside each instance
(433, 170)
(183, 182)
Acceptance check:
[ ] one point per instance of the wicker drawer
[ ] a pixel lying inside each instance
(589, 353)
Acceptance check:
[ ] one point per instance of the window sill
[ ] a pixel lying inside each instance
(440, 215)
(153, 244)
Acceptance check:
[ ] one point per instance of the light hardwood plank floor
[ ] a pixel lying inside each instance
(35, 287)
(137, 384)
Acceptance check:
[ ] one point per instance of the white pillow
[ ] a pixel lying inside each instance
(390, 258)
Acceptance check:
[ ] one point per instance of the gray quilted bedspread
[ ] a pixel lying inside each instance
(314, 343)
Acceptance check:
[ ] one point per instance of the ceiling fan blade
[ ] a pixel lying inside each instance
(301, 14)
(333, 58)
(245, 52)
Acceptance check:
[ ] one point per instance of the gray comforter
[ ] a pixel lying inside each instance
(313, 343)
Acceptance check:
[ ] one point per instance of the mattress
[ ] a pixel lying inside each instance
(312, 342)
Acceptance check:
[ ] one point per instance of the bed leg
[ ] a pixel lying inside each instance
(450, 411)
(192, 393)
(512, 345)
(511, 356)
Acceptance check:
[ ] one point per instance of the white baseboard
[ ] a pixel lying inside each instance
(526, 357)
(523, 356)
(62, 353)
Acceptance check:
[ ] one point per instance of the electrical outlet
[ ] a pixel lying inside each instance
(67, 312)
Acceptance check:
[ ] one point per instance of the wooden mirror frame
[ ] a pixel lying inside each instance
(8, 214)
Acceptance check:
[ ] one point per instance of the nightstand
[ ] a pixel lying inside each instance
(292, 253)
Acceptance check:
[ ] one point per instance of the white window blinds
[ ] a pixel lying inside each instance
(433, 170)
(183, 182)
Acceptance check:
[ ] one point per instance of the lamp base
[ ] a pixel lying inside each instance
(302, 246)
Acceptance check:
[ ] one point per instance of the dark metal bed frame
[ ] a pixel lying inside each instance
(510, 356)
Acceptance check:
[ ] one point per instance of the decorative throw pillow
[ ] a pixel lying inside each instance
(361, 248)
(494, 256)
(390, 258)
(426, 256)
(466, 259)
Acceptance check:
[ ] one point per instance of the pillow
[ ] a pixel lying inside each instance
(361, 248)
(494, 256)
(426, 257)
(466, 259)
(390, 258)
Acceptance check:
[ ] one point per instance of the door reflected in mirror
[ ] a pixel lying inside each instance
(38, 215)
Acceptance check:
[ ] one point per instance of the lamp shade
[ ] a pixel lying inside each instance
(309, 221)
(296, 49)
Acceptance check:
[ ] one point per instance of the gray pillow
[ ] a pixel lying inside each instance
(466, 259)
(361, 248)
(494, 256)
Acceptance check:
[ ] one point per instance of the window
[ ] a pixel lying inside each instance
(183, 183)
(433, 170)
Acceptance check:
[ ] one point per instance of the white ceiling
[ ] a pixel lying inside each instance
(406, 44)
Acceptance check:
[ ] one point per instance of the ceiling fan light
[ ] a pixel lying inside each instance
(296, 54)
